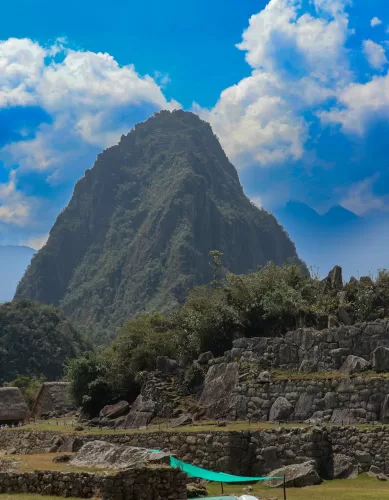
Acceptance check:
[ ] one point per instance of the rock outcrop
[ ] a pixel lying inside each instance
(114, 411)
(219, 396)
(354, 364)
(281, 410)
(101, 454)
(296, 475)
(343, 467)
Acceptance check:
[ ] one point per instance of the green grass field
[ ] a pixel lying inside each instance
(362, 488)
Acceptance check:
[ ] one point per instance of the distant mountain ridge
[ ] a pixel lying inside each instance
(138, 230)
(336, 237)
(303, 218)
(14, 261)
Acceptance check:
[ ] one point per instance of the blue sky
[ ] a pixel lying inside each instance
(296, 90)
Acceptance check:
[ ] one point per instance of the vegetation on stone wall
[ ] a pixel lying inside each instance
(267, 302)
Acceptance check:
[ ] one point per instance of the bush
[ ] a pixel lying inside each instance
(194, 378)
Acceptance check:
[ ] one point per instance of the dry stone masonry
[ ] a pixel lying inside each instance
(309, 350)
(158, 483)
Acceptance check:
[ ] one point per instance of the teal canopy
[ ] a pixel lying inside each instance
(220, 477)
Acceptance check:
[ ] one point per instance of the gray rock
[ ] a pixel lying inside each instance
(343, 416)
(380, 359)
(296, 475)
(374, 471)
(205, 358)
(114, 411)
(264, 376)
(140, 414)
(354, 364)
(363, 457)
(240, 343)
(343, 467)
(303, 408)
(280, 410)
(184, 419)
(382, 477)
(101, 454)
(219, 394)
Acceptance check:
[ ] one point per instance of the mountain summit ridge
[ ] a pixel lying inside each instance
(137, 233)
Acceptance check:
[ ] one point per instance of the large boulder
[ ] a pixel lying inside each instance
(280, 410)
(303, 408)
(380, 359)
(184, 419)
(296, 475)
(354, 364)
(140, 414)
(114, 411)
(219, 396)
(343, 416)
(101, 454)
(343, 467)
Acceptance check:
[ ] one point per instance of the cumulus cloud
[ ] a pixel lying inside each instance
(15, 208)
(359, 104)
(375, 54)
(90, 97)
(376, 21)
(298, 61)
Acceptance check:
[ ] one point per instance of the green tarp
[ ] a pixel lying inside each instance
(220, 477)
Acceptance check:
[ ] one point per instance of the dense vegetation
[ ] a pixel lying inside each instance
(267, 302)
(35, 341)
(137, 232)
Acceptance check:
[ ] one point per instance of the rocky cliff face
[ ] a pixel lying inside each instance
(138, 230)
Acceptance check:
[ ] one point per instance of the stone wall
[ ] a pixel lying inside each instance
(243, 453)
(368, 446)
(336, 400)
(157, 483)
(311, 350)
(252, 452)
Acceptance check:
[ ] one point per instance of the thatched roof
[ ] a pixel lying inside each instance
(53, 396)
(13, 407)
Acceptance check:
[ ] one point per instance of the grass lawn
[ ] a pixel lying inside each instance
(65, 426)
(362, 488)
(44, 461)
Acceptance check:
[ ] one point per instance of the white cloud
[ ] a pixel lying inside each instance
(15, 208)
(260, 119)
(376, 21)
(90, 97)
(36, 242)
(360, 198)
(359, 103)
(375, 54)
